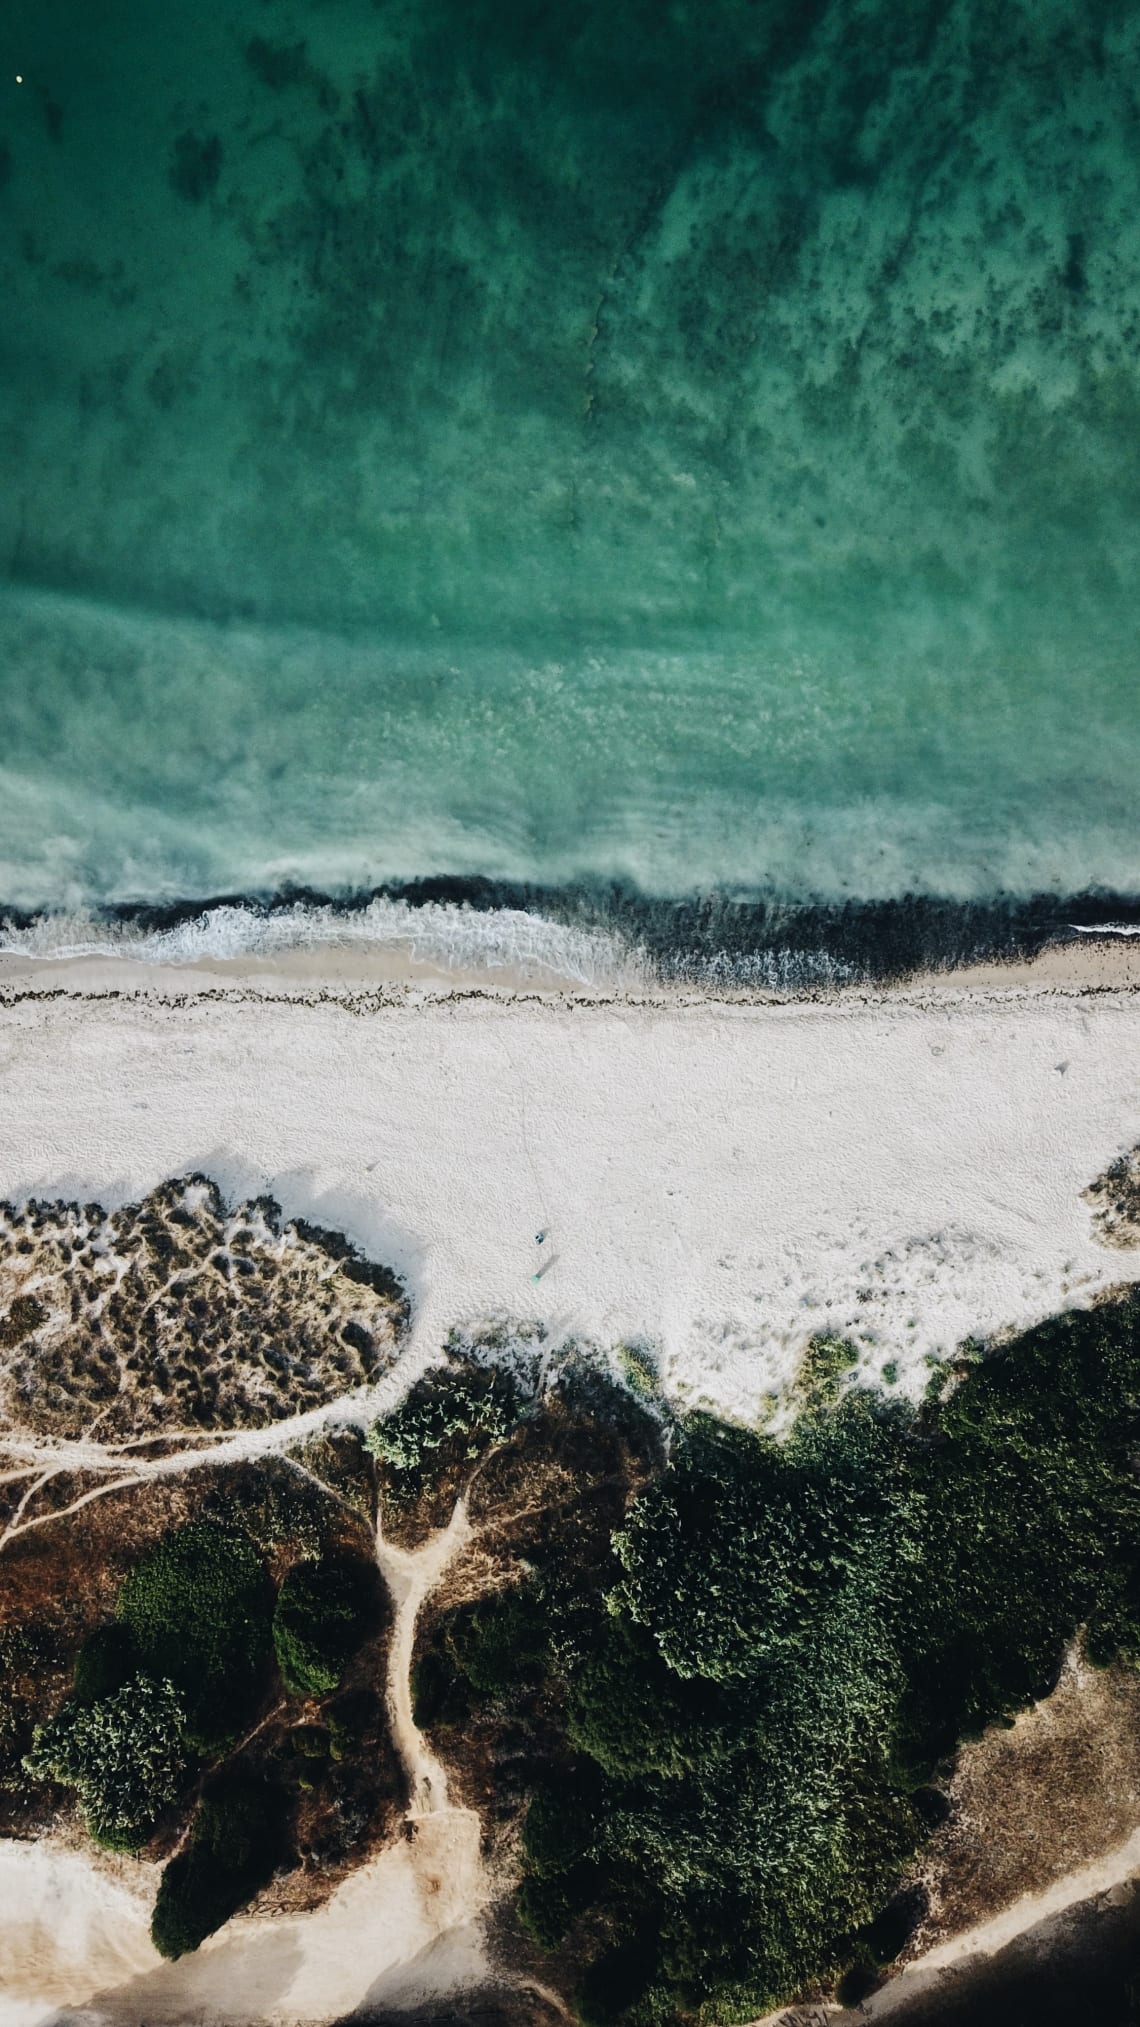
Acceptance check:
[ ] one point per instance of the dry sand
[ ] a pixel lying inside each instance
(400, 1928)
(720, 1180)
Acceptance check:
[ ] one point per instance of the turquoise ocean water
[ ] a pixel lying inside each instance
(696, 446)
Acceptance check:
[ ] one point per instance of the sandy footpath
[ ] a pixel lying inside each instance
(721, 1180)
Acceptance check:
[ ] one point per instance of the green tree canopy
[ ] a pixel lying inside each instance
(324, 1610)
(231, 1853)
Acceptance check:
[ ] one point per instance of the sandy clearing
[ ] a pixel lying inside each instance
(1034, 1803)
(722, 1180)
(69, 1925)
(988, 1937)
(398, 1929)
(923, 1977)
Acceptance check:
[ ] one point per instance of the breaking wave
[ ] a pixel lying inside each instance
(438, 935)
(604, 938)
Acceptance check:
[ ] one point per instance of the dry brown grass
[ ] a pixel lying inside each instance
(1037, 1802)
(176, 1313)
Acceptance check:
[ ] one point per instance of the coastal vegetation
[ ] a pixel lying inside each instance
(198, 1611)
(233, 1846)
(704, 1683)
(440, 1430)
(740, 1717)
(124, 1754)
(321, 1616)
(1115, 1198)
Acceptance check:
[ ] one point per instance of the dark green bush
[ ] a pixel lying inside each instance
(564, 1821)
(617, 1978)
(886, 1935)
(441, 1694)
(744, 1545)
(629, 1711)
(106, 1660)
(309, 1742)
(548, 1907)
(23, 1316)
(324, 1610)
(481, 1651)
(1031, 1526)
(500, 1641)
(231, 1854)
(198, 1608)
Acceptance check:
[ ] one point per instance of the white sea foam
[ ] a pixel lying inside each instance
(442, 935)
(438, 934)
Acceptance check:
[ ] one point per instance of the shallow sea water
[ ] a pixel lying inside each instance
(698, 446)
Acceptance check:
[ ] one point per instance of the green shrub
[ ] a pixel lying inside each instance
(25, 1651)
(324, 1610)
(500, 1641)
(198, 1608)
(564, 1823)
(548, 1906)
(125, 1756)
(231, 1854)
(617, 1978)
(457, 1413)
(822, 1368)
(631, 1713)
(480, 1651)
(352, 1720)
(309, 1741)
(742, 1546)
(441, 1694)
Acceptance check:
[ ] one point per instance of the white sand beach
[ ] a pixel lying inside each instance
(718, 1181)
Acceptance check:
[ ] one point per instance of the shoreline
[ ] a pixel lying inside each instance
(589, 937)
(1094, 964)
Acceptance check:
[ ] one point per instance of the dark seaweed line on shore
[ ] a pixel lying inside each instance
(711, 939)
